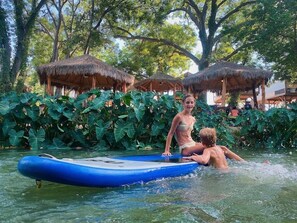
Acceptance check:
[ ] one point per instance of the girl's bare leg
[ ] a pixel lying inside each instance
(198, 149)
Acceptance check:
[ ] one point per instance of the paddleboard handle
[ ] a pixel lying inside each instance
(47, 155)
(38, 183)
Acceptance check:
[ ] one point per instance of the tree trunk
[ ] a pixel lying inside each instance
(59, 7)
(203, 63)
(5, 52)
(23, 31)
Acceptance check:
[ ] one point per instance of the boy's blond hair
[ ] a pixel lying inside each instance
(208, 136)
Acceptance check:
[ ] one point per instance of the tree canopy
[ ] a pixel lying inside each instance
(142, 37)
(275, 36)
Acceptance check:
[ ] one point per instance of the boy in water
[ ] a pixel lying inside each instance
(212, 154)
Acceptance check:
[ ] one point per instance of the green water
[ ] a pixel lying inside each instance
(254, 192)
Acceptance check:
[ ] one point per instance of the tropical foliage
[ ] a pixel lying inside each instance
(97, 119)
(275, 128)
(135, 120)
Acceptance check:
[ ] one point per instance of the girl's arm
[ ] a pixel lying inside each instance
(174, 124)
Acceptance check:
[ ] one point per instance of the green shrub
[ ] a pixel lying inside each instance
(134, 120)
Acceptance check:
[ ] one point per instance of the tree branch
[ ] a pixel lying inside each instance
(196, 9)
(166, 42)
(226, 58)
(222, 3)
(45, 30)
(237, 9)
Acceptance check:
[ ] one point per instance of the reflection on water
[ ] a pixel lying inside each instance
(252, 192)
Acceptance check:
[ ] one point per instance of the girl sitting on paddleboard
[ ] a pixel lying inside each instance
(182, 126)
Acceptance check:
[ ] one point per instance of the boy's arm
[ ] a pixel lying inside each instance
(203, 159)
(231, 155)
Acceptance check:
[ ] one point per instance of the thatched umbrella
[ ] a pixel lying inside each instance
(160, 82)
(228, 76)
(83, 73)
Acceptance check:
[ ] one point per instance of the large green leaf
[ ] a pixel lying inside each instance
(88, 109)
(58, 144)
(95, 104)
(99, 102)
(130, 130)
(80, 101)
(7, 126)
(123, 116)
(26, 97)
(33, 112)
(19, 112)
(136, 98)
(6, 107)
(54, 111)
(36, 138)
(101, 129)
(122, 128)
(139, 111)
(157, 128)
(69, 114)
(101, 146)
(119, 130)
(129, 145)
(127, 99)
(78, 136)
(15, 137)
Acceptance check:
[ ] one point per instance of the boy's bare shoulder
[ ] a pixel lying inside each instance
(213, 148)
(224, 148)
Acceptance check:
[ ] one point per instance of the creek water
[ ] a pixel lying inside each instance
(251, 192)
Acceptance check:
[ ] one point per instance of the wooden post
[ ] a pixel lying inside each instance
(174, 91)
(190, 89)
(151, 86)
(124, 87)
(49, 85)
(224, 89)
(263, 94)
(255, 96)
(115, 86)
(186, 90)
(93, 82)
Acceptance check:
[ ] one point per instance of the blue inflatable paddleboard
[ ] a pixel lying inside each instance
(104, 171)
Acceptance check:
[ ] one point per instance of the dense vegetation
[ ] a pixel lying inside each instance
(135, 120)
(142, 37)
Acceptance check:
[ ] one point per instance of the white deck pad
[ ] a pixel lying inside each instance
(110, 163)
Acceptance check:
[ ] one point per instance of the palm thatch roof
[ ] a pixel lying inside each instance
(238, 77)
(78, 73)
(159, 82)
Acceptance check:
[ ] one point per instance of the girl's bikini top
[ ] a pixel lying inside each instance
(185, 127)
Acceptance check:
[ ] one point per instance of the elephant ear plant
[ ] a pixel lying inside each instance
(20, 120)
(273, 129)
(209, 116)
(95, 119)
(135, 120)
